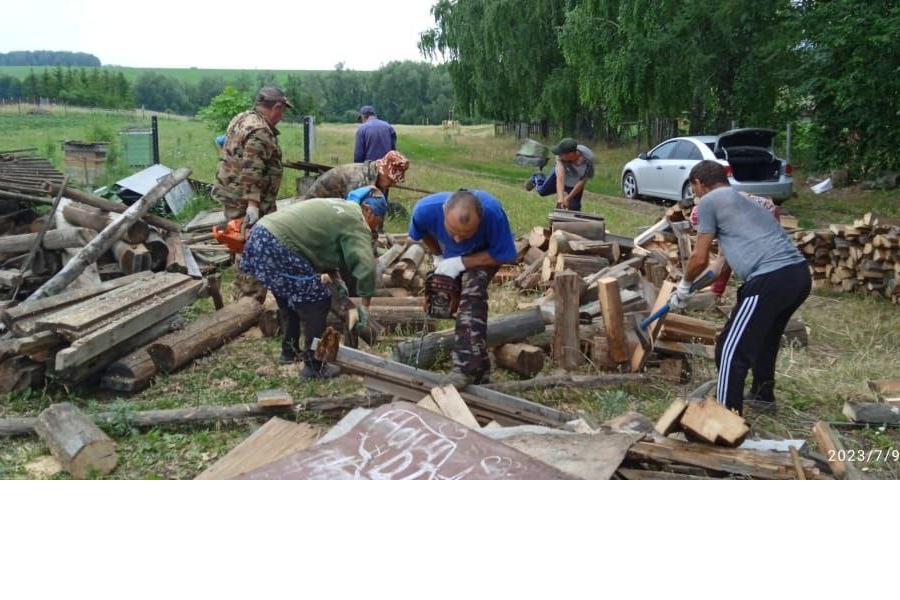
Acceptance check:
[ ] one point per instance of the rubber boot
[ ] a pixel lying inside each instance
(313, 317)
(290, 333)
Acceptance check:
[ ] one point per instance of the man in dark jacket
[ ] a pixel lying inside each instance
(374, 138)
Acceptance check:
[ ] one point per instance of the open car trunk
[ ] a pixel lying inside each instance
(749, 152)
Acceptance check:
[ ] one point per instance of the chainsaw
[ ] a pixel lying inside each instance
(441, 296)
(232, 236)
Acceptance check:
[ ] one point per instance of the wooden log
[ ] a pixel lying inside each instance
(76, 442)
(108, 236)
(204, 335)
(388, 258)
(90, 217)
(55, 239)
(523, 359)
(548, 268)
(712, 422)
(583, 265)
(512, 327)
(613, 318)
(560, 240)
(159, 251)
(413, 256)
(566, 347)
(569, 381)
(132, 258)
(18, 373)
(188, 416)
(832, 448)
(592, 230)
(533, 255)
(176, 262)
(481, 400)
(538, 238)
(103, 204)
(214, 289)
(683, 328)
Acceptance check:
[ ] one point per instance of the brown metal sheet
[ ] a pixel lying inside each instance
(403, 441)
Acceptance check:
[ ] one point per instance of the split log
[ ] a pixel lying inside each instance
(269, 321)
(712, 422)
(204, 335)
(592, 230)
(159, 251)
(832, 448)
(98, 220)
(531, 276)
(670, 421)
(76, 442)
(18, 373)
(538, 238)
(583, 265)
(613, 319)
(533, 255)
(566, 347)
(523, 359)
(132, 258)
(512, 327)
(89, 254)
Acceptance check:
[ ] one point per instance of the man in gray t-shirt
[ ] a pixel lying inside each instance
(776, 281)
(574, 166)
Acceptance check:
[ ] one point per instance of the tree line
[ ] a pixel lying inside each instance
(402, 92)
(32, 58)
(596, 66)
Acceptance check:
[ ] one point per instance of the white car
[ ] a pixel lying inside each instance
(746, 154)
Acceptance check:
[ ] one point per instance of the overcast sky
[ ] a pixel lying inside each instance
(272, 34)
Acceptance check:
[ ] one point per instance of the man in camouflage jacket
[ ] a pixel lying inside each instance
(250, 170)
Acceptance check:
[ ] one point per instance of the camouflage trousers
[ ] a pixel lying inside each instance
(470, 355)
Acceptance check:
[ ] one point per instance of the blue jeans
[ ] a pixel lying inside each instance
(548, 188)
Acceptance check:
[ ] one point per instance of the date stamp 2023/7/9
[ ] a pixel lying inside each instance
(865, 456)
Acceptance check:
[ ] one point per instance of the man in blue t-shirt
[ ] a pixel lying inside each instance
(776, 282)
(468, 233)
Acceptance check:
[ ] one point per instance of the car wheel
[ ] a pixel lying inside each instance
(687, 196)
(629, 186)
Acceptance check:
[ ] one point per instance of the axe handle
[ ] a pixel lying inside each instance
(700, 282)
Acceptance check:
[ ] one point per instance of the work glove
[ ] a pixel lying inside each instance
(363, 314)
(251, 216)
(451, 267)
(437, 259)
(682, 294)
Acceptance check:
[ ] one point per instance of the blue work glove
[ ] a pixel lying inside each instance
(681, 296)
(451, 267)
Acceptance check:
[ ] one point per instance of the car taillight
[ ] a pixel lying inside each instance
(788, 169)
(728, 170)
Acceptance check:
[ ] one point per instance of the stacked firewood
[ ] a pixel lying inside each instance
(862, 257)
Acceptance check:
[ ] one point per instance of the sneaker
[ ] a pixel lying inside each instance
(287, 358)
(327, 371)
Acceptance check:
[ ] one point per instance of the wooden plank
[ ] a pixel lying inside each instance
(739, 461)
(274, 440)
(451, 405)
(670, 421)
(570, 381)
(85, 348)
(830, 445)
(76, 320)
(274, 397)
(885, 388)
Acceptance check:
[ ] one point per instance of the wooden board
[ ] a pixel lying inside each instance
(451, 405)
(670, 421)
(274, 440)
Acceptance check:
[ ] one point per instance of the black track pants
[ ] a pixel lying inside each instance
(752, 336)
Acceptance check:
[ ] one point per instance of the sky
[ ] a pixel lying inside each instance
(224, 34)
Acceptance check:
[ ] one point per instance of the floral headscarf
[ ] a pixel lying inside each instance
(393, 165)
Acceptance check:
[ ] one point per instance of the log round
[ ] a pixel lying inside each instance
(76, 442)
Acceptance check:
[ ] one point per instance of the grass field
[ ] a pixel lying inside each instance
(192, 76)
(852, 338)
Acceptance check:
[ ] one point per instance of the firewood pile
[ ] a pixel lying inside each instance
(862, 257)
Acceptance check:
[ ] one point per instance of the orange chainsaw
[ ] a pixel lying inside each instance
(233, 236)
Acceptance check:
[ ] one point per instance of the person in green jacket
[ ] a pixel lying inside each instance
(289, 250)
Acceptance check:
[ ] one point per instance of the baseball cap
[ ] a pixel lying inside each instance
(270, 93)
(367, 110)
(565, 145)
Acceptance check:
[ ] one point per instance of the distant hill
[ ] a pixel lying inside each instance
(48, 58)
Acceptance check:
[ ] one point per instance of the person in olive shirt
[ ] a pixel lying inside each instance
(289, 250)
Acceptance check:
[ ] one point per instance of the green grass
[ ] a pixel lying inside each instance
(852, 338)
